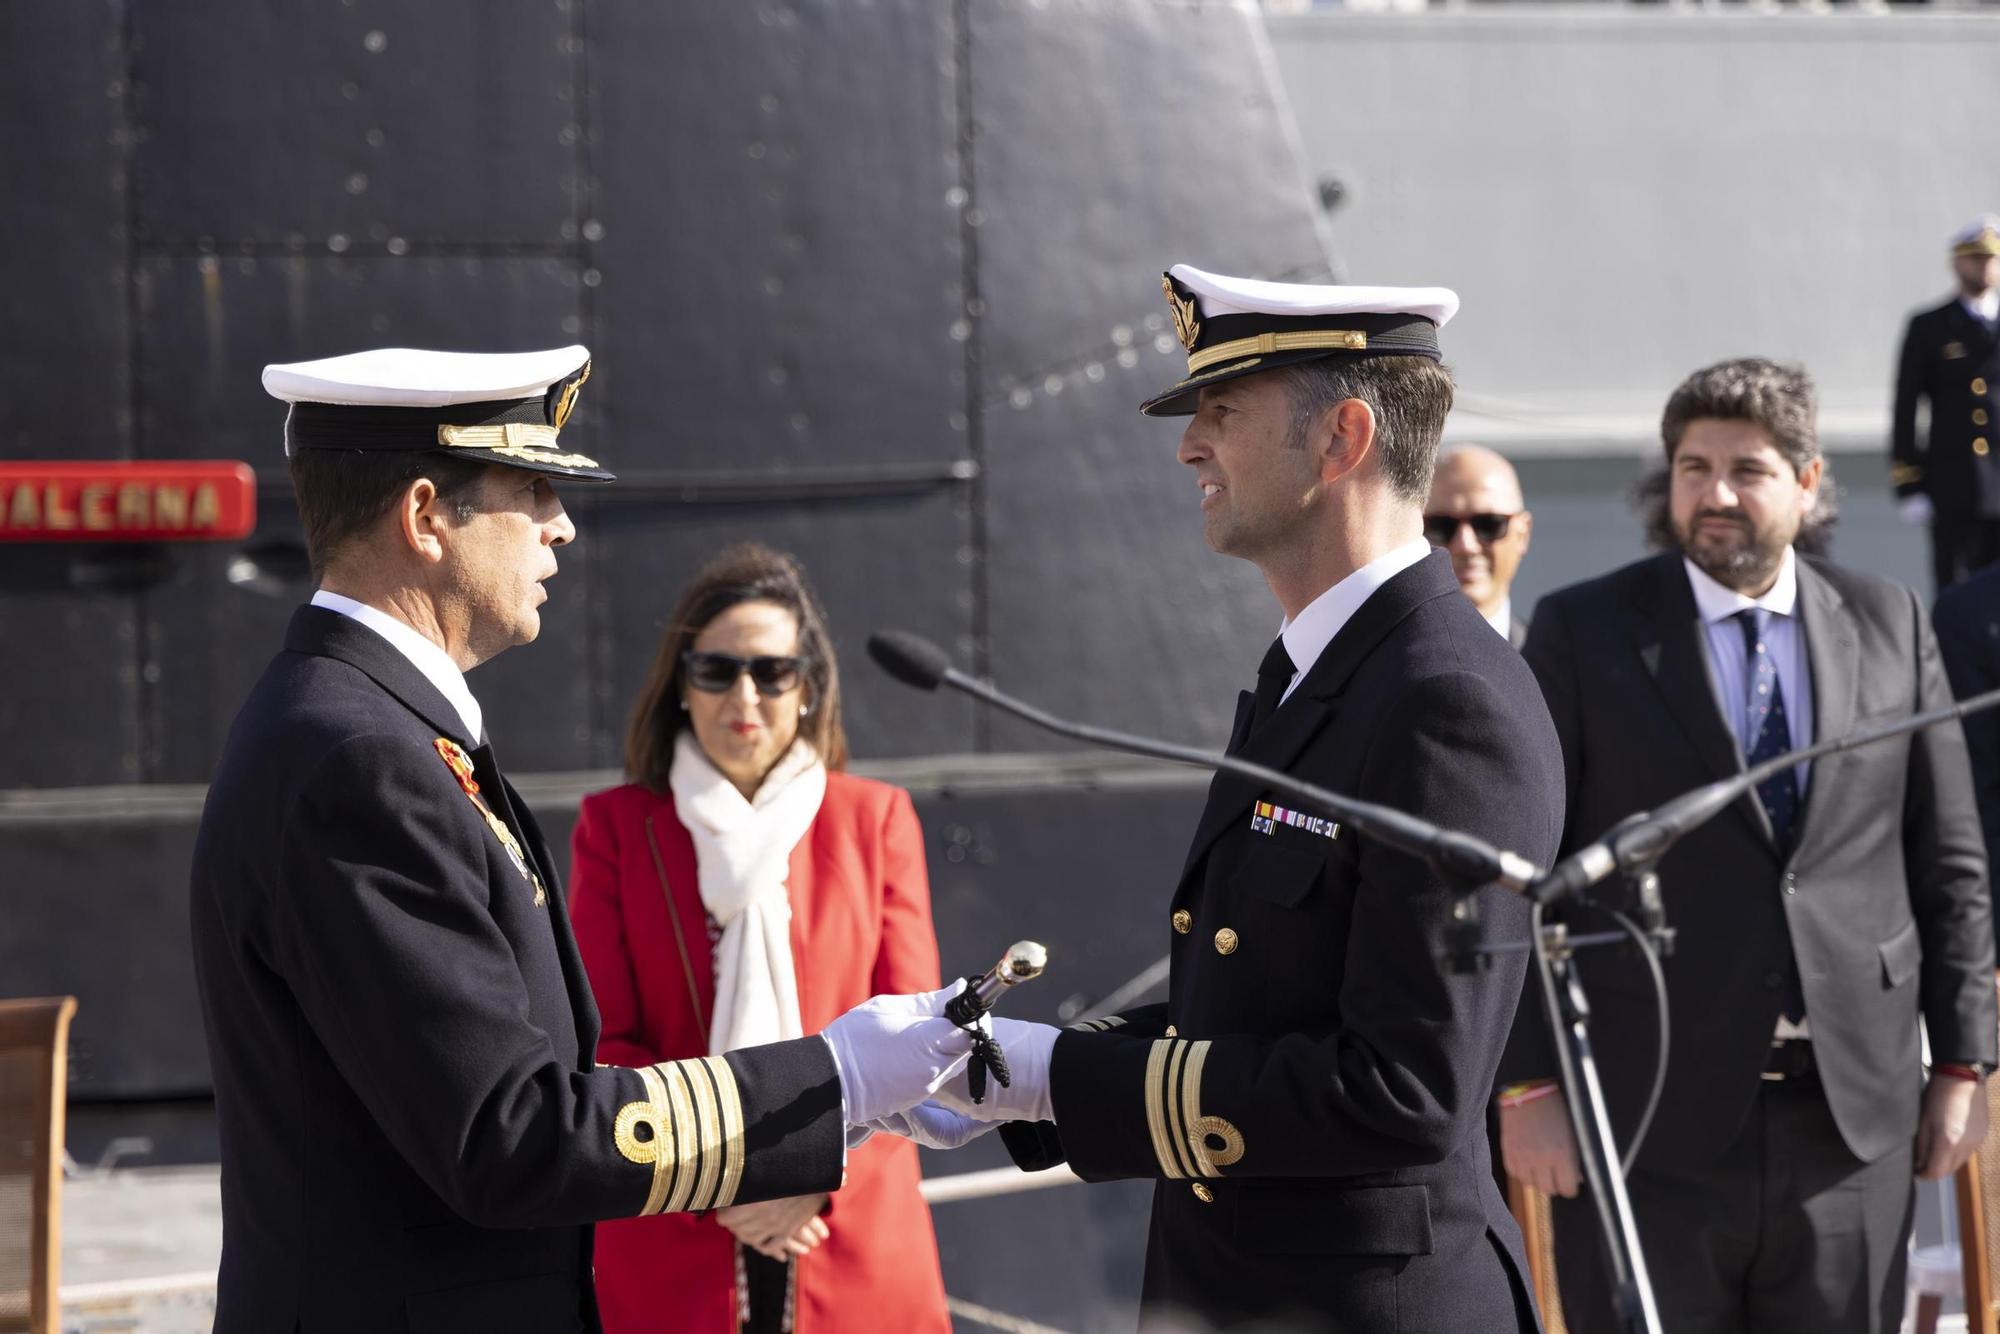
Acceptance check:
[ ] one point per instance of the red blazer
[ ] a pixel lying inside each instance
(861, 926)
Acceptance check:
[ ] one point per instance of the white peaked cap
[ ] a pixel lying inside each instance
(410, 377)
(1981, 236)
(1233, 327)
(1223, 295)
(499, 407)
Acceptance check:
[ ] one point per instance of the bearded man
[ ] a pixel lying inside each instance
(1818, 917)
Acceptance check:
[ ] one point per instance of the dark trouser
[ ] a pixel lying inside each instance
(1961, 545)
(1787, 1232)
(767, 1292)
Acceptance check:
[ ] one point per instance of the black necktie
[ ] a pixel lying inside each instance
(1273, 675)
(1767, 735)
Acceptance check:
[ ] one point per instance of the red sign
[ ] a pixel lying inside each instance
(208, 500)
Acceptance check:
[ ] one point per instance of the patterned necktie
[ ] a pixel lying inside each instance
(1273, 675)
(1767, 735)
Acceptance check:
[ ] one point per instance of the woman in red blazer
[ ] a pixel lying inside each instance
(699, 928)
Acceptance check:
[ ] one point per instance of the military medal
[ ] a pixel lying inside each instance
(1265, 819)
(460, 765)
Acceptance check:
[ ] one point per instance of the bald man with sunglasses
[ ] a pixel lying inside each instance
(1476, 514)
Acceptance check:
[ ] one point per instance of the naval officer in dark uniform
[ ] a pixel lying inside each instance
(1311, 1096)
(414, 1134)
(1951, 359)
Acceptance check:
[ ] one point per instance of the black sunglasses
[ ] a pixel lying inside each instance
(717, 672)
(1442, 528)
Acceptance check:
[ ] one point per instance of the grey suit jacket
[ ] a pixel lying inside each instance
(1882, 898)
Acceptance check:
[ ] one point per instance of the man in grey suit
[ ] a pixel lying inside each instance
(1818, 918)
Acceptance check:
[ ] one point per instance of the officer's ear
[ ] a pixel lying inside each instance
(422, 520)
(1345, 438)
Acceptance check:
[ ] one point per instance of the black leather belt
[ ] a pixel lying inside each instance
(1790, 1059)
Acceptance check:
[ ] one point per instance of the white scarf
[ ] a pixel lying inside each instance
(743, 853)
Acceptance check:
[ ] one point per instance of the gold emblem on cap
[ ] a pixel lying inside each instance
(1187, 321)
(568, 399)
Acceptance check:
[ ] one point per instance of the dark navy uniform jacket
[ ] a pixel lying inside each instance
(1312, 1094)
(414, 1136)
(1951, 359)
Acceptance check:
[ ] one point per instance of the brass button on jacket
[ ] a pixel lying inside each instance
(1225, 941)
(1979, 416)
(1203, 1193)
(1173, 1032)
(1979, 445)
(1979, 384)
(1183, 921)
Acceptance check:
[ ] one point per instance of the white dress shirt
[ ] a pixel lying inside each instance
(1307, 637)
(426, 657)
(1785, 641)
(1985, 306)
(1502, 618)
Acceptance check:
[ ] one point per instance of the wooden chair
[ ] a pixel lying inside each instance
(1978, 1190)
(34, 1047)
(1531, 1213)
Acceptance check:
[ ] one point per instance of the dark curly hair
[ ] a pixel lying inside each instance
(1776, 397)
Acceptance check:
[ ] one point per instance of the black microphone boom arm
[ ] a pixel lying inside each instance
(1467, 861)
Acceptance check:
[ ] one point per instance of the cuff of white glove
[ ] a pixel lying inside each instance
(851, 1140)
(1026, 1098)
(833, 1049)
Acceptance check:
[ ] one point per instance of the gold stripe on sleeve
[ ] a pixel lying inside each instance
(730, 1099)
(1176, 1126)
(1191, 1109)
(664, 1141)
(709, 1118)
(1156, 1120)
(688, 1161)
(1208, 1161)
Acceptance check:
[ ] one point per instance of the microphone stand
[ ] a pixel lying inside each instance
(1568, 1013)
(1634, 847)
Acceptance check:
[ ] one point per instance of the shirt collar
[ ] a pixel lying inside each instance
(1718, 603)
(1986, 305)
(426, 657)
(1502, 618)
(1307, 636)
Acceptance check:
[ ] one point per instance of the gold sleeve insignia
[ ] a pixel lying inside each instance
(1186, 1142)
(693, 1116)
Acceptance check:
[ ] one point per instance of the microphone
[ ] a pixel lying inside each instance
(1467, 860)
(911, 659)
(1638, 841)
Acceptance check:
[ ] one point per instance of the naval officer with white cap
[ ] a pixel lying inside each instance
(414, 1133)
(1310, 1098)
(1950, 360)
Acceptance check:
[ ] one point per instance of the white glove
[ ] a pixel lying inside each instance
(1915, 509)
(1027, 1047)
(894, 1051)
(933, 1126)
